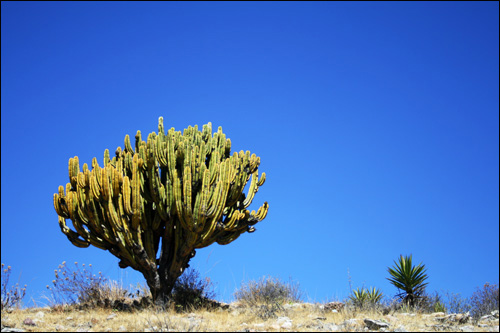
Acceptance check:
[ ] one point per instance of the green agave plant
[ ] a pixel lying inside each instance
(409, 279)
(363, 296)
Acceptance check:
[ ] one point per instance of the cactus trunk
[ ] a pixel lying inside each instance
(181, 190)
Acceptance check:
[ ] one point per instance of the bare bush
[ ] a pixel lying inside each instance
(484, 300)
(455, 303)
(192, 292)
(268, 290)
(11, 297)
(267, 296)
(72, 286)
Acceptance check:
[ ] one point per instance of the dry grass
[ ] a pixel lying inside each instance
(303, 317)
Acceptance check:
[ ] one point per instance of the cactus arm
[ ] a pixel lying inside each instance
(188, 212)
(136, 194)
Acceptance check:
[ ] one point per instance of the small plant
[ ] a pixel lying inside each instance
(485, 300)
(409, 279)
(191, 292)
(268, 290)
(364, 298)
(11, 297)
(267, 296)
(428, 303)
(439, 307)
(457, 304)
(76, 286)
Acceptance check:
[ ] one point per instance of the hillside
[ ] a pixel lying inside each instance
(235, 317)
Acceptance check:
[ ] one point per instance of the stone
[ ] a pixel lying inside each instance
(400, 329)
(390, 318)
(463, 318)
(29, 322)
(375, 324)
(467, 328)
(40, 314)
(349, 322)
(455, 318)
(491, 317)
(284, 322)
(441, 327)
(331, 327)
(293, 306)
(111, 316)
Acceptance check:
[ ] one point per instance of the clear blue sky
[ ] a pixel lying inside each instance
(376, 123)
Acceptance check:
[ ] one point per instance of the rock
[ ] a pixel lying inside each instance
(284, 322)
(463, 318)
(491, 317)
(29, 322)
(11, 329)
(455, 318)
(467, 328)
(390, 318)
(331, 327)
(349, 322)
(40, 314)
(375, 324)
(441, 327)
(400, 329)
(111, 316)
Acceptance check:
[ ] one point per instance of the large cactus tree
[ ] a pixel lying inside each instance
(166, 197)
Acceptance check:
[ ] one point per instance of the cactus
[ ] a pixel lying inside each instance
(178, 191)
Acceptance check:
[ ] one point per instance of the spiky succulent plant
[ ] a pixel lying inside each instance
(409, 279)
(153, 204)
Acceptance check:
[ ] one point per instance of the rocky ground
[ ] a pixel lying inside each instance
(234, 317)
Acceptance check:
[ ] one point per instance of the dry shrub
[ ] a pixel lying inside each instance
(80, 286)
(266, 296)
(191, 292)
(11, 297)
(268, 290)
(485, 300)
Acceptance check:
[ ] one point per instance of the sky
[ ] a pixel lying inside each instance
(377, 124)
